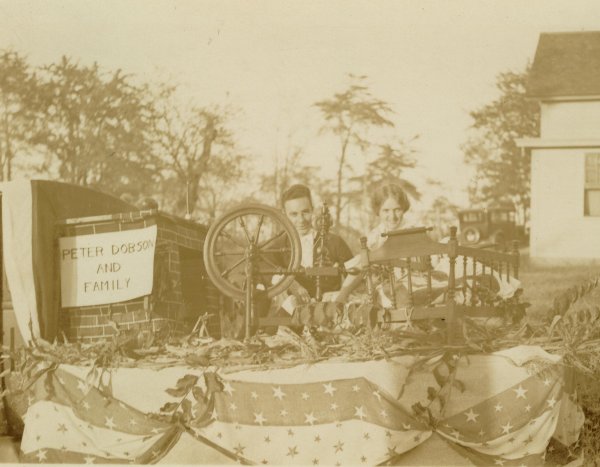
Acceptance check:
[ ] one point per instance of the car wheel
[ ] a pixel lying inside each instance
(471, 235)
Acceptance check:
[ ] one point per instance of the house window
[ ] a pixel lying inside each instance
(591, 206)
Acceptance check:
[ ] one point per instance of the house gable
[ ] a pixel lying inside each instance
(566, 65)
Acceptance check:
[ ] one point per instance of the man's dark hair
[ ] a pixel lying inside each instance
(295, 192)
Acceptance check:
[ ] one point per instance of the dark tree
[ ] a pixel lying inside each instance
(502, 168)
(187, 141)
(390, 166)
(349, 115)
(93, 126)
(16, 83)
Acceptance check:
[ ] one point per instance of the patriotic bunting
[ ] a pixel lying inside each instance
(293, 416)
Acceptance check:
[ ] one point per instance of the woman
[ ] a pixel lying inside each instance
(391, 203)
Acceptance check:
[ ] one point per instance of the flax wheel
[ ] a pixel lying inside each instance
(251, 233)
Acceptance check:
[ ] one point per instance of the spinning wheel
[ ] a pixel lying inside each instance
(245, 247)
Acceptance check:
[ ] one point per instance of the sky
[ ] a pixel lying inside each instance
(433, 61)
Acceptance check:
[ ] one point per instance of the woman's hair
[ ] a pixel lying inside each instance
(389, 190)
(295, 192)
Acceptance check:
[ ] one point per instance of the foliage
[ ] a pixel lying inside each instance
(93, 125)
(444, 370)
(503, 169)
(187, 141)
(285, 173)
(219, 188)
(441, 216)
(390, 164)
(349, 115)
(182, 410)
(16, 81)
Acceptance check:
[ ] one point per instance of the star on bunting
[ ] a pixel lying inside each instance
(506, 428)
(329, 389)
(258, 418)
(471, 416)
(359, 412)
(310, 418)
(278, 393)
(239, 449)
(521, 392)
(228, 388)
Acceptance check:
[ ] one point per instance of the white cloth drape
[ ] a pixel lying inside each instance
(17, 233)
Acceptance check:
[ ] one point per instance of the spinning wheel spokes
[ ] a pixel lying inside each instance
(229, 253)
(257, 231)
(226, 272)
(246, 233)
(271, 240)
(237, 233)
(229, 237)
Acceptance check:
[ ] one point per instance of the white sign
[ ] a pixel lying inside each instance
(107, 267)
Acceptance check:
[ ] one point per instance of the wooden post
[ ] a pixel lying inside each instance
(453, 243)
(464, 281)
(392, 279)
(365, 266)
(249, 295)
(429, 288)
(411, 300)
(453, 317)
(515, 252)
(474, 282)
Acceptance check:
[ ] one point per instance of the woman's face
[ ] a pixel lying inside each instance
(391, 214)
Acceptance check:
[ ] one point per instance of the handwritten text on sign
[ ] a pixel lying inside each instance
(107, 267)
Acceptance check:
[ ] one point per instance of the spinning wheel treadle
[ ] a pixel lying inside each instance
(240, 247)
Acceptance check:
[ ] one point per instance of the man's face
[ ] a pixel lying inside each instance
(299, 211)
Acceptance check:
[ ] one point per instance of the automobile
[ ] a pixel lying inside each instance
(495, 225)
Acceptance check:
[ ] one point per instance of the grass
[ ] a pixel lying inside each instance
(541, 284)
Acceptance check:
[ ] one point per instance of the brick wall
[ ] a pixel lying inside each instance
(166, 306)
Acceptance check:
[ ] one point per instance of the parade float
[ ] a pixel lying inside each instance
(160, 349)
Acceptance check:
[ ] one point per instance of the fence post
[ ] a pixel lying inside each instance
(454, 314)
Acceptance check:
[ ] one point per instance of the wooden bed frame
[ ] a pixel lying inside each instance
(412, 249)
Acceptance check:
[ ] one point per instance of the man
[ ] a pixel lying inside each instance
(297, 205)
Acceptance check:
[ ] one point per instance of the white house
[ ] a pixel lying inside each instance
(565, 160)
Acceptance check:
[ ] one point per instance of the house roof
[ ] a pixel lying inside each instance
(566, 65)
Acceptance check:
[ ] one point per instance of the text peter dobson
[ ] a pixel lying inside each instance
(107, 267)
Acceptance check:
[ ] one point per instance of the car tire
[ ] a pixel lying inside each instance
(471, 236)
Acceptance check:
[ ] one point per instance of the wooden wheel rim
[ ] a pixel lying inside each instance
(215, 231)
